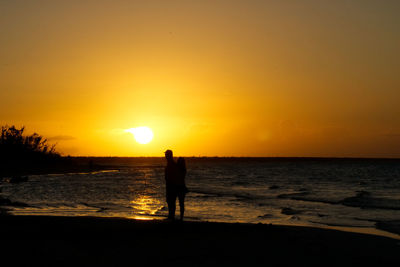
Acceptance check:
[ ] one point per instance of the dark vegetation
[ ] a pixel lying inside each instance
(16, 148)
(22, 154)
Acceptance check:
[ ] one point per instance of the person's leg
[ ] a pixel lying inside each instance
(182, 204)
(171, 208)
(171, 201)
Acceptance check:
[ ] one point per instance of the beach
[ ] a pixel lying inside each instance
(93, 241)
(355, 194)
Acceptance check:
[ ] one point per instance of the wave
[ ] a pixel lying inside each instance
(364, 200)
(266, 216)
(389, 226)
(306, 196)
(8, 202)
(290, 211)
(244, 183)
(204, 194)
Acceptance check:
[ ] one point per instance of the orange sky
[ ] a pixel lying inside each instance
(226, 78)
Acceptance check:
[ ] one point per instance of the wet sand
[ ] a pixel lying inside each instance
(87, 241)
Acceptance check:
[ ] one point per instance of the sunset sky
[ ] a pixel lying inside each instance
(225, 78)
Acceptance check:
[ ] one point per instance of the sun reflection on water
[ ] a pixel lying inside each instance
(145, 205)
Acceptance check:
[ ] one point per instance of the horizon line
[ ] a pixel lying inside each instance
(244, 157)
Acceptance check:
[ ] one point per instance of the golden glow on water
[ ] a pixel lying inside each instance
(145, 205)
(142, 218)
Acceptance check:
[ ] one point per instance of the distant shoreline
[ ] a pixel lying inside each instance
(64, 165)
(53, 170)
(236, 157)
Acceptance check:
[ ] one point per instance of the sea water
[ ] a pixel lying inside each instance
(347, 193)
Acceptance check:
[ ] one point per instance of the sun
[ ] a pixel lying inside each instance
(142, 134)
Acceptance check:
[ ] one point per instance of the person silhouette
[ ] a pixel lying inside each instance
(175, 173)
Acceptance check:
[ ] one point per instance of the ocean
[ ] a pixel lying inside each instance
(350, 194)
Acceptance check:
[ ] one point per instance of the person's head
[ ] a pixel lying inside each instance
(169, 155)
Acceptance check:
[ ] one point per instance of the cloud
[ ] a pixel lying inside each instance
(118, 131)
(61, 138)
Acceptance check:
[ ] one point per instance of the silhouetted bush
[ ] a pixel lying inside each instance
(17, 148)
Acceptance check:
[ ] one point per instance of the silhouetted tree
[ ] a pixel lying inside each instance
(17, 148)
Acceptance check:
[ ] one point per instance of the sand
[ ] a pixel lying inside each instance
(88, 241)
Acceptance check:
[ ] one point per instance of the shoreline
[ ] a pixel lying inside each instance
(111, 241)
(360, 230)
(382, 229)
